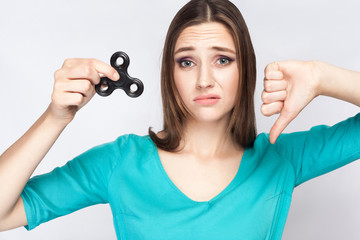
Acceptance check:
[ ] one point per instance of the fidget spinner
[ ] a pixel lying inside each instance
(133, 87)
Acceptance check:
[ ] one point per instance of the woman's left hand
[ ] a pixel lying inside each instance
(288, 87)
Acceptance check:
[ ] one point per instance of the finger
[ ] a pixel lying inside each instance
(83, 86)
(274, 66)
(95, 64)
(66, 99)
(105, 69)
(274, 75)
(83, 71)
(275, 85)
(271, 108)
(281, 123)
(76, 73)
(269, 97)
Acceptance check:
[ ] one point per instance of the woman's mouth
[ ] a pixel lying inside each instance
(208, 99)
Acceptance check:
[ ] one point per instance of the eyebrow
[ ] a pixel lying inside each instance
(184, 49)
(222, 49)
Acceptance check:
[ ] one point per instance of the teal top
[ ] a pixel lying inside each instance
(146, 204)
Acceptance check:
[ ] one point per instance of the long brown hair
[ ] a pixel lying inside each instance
(242, 124)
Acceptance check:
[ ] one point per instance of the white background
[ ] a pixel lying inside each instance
(37, 35)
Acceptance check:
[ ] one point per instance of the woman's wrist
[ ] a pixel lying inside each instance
(50, 118)
(330, 79)
(338, 82)
(318, 73)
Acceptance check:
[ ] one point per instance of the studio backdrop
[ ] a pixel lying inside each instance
(36, 36)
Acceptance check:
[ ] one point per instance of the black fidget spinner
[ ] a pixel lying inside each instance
(133, 87)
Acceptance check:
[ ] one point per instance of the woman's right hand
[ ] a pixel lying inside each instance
(75, 85)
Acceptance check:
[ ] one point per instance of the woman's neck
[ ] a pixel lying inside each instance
(208, 140)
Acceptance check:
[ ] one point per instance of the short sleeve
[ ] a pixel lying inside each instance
(321, 149)
(80, 183)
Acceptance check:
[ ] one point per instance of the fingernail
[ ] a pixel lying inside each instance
(116, 75)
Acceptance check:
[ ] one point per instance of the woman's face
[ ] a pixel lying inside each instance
(206, 73)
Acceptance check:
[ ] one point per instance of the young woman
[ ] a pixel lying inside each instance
(207, 175)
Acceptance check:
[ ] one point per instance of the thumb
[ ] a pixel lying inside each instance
(280, 124)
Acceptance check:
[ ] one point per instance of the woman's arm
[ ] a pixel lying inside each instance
(339, 83)
(290, 85)
(73, 88)
(19, 162)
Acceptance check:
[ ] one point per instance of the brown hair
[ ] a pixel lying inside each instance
(242, 121)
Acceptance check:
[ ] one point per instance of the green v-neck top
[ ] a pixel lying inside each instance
(146, 204)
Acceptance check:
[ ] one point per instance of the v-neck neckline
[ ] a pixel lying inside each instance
(238, 178)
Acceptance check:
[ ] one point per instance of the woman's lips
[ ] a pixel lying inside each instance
(208, 99)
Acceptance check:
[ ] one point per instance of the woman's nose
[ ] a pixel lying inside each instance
(205, 78)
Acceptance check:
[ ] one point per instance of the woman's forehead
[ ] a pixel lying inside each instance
(205, 35)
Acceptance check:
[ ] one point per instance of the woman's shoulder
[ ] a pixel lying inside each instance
(133, 140)
(126, 140)
(133, 145)
(123, 145)
(261, 140)
(126, 149)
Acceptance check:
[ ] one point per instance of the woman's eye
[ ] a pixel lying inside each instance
(223, 61)
(186, 63)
